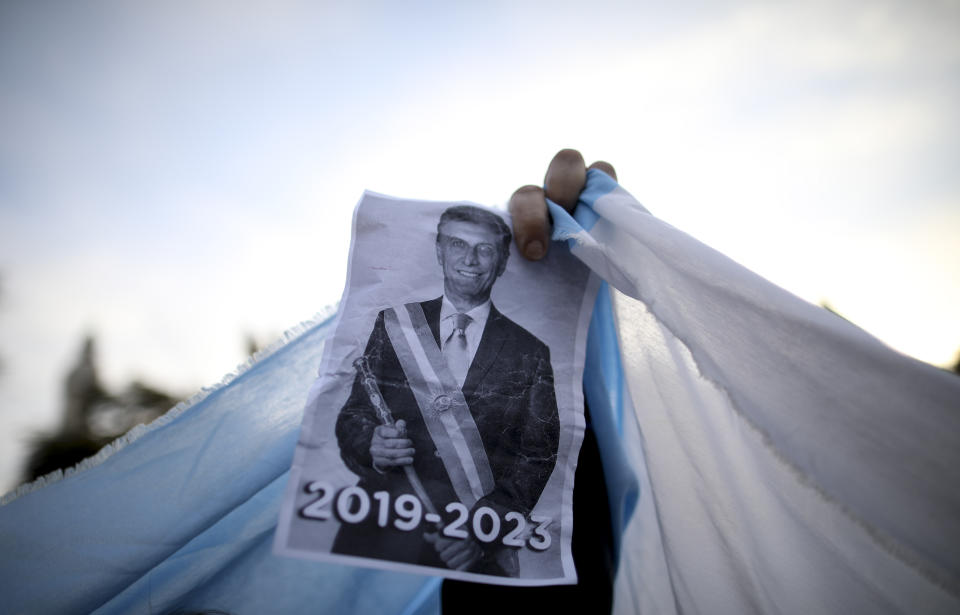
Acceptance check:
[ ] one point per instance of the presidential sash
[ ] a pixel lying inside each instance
(441, 403)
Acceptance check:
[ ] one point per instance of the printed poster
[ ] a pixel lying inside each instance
(442, 433)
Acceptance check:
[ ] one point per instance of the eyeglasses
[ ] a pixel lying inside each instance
(459, 247)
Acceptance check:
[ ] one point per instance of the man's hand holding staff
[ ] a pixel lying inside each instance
(389, 446)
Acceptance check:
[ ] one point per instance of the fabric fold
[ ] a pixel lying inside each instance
(762, 455)
(849, 449)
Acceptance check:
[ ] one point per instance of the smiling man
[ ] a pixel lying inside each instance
(475, 411)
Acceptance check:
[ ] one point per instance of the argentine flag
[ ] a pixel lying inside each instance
(762, 455)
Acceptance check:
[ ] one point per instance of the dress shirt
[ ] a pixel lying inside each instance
(474, 331)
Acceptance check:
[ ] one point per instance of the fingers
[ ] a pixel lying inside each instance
(389, 459)
(606, 167)
(565, 178)
(391, 432)
(388, 447)
(455, 553)
(531, 226)
(528, 205)
(460, 555)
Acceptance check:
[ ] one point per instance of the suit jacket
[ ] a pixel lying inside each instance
(510, 392)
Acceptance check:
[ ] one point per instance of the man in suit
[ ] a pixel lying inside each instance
(499, 393)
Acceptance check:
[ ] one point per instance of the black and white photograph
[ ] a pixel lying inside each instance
(442, 432)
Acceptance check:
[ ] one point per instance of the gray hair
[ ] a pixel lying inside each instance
(476, 215)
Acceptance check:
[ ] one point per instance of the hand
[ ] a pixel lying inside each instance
(456, 553)
(390, 447)
(565, 179)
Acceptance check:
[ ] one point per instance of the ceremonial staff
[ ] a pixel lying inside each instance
(370, 385)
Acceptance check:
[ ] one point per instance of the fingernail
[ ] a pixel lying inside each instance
(534, 250)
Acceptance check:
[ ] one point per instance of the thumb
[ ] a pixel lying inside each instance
(401, 426)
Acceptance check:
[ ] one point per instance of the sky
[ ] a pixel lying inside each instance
(175, 176)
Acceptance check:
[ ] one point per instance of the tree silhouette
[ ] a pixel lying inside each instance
(92, 417)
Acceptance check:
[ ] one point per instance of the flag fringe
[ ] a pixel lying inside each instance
(136, 432)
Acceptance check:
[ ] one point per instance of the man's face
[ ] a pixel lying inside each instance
(469, 254)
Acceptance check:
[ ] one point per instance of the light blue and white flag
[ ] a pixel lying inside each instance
(791, 463)
(786, 462)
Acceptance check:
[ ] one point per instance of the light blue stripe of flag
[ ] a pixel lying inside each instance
(182, 518)
(603, 378)
(767, 423)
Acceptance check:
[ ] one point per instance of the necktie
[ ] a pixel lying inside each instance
(455, 349)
